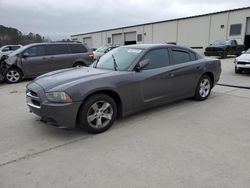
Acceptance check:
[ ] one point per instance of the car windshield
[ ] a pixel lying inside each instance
(221, 42)
(248, 51)
(118, 59)
(102, 49)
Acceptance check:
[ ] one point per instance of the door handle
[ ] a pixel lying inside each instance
(172, 75)
(198, 67)
(52, 57)
(44, 58)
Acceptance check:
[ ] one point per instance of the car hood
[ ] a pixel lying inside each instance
(68, 77)
(217, 46)
(245, 57)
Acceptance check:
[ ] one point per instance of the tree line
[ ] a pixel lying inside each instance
(9, 35)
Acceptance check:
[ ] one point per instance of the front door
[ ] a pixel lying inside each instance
(35, 61)
(154, 83)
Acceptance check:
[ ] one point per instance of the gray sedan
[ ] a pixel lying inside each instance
(124, 81)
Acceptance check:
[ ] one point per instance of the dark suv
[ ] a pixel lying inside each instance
(36, 59)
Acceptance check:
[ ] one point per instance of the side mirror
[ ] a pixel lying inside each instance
(243, 52)
(25, 55)
(142, 64)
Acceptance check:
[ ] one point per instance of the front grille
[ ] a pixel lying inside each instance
(33, 99)
(243, 63)
(213, 49)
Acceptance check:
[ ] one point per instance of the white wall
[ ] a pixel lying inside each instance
(216, 32)
(194, 32)
(237, 17)
(191, 32)
(147, 34)
(165, 32)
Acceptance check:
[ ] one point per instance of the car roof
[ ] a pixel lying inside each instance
(50, 43)
(151, 46)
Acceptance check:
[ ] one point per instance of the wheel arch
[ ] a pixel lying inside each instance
(79, 62)
(14, 67)
(211, 76)
(114, 95)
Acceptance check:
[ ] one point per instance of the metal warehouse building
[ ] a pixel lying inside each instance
(196, 32)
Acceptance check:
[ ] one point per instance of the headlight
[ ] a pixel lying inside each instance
(59, 97)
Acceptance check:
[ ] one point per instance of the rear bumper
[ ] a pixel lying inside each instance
(62, 115)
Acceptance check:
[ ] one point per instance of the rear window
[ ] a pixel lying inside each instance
(56, 49)
(180, 56)
(77, 48)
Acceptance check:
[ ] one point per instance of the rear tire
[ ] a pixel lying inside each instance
(79, 65)
(203, 88)
(13, 75)
(98, 113)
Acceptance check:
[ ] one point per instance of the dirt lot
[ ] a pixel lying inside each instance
(184, 144)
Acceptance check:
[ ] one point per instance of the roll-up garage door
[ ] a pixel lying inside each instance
(248, 27)
(88, 41)
(130, 38)
(117, 39)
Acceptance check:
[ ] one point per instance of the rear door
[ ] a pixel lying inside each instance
(154, 81)
(36, 62)
(186, 71)
(60, 56)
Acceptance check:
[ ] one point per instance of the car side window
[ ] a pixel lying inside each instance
(180, 56)
(192, 56)
(157, 58)
(6, 49)
(77, 48)
(15, 47)
(57, 49)
(36, 51)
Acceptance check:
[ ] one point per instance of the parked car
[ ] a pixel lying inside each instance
(8, 49)
(223, 48)
(36, 59)
(126, 80)
(99, 52)
(242, 63)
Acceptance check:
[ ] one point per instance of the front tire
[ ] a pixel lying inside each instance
(237, 70)
(98, 113)
(224, 55)
(203, 88)
(13, 75)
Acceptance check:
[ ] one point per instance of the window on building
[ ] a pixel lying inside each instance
(139, 37)
(157, 58)
(180, 56)
(109, 40)
(235, 29)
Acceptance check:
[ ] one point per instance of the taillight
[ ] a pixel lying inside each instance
(91, 55)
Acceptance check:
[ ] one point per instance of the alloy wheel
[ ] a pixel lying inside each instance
(205, 87)
(100, 114)
(13, 76)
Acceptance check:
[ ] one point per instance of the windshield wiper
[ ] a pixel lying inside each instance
(97, 61)
(114, 61)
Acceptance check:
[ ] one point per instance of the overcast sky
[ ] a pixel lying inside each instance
(61, 18)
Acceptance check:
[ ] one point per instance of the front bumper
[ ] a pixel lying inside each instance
(62, 115)
(213, 53)
(243, 65)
